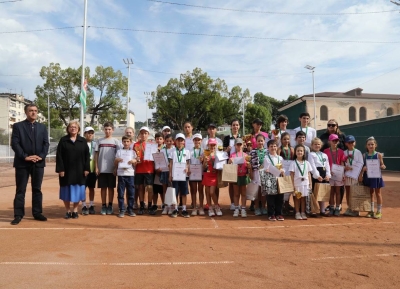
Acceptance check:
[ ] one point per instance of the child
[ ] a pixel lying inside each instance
(287, 153)
(239, 188)
(310, 132)
(91, 177)
(301, 140)
(321, 172)
(182, 156)
(258, 156)
(374, 184)
(164, 176)
(351, 155)
(281, 125)
(196, 186)
(144, 172)
(106, 149)
(125, 160)
(269, 182)
(335, 156)
(210, 180)
(300, 172)
(157, 185)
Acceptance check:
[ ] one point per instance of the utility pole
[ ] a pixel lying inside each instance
(147, 106)
(83, 88)
(128, 62)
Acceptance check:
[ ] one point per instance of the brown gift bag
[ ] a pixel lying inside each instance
(285, 185)
(322, 192)
(314, 204)
(221, 184)
(230, 173)
(360, 198)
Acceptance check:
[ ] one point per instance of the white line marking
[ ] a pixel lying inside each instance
(319, 225)
(357, 256)
(110, 229)
(215, 223)
(118, 264)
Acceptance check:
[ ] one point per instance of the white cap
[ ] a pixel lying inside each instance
(180, 135)
(197, 135)
(166, 127)
(89, 128)
(144, 128)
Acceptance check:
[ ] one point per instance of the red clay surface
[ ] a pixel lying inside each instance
(199, 252)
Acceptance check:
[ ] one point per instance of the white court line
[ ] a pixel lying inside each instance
(319, 225)
(215, 223)
(356, 256)
(119, 264)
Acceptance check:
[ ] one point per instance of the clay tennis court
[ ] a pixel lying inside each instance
(200, 252)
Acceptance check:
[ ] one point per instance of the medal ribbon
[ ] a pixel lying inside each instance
(304, 167)
(319, 155)
(287, 156)
(371, 156)
(179, 154)
(350, 157)
(261, 156)
(335, 161)
(272, 160)
(194, 152)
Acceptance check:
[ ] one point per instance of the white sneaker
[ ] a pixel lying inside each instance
(236, 213)
(165, 210)
(304, 216)
(170, 210)
(194, 212)
(298, 216)
(218, 211)
(233, 207)
(201, 212)
(211, 212)
(244, 213)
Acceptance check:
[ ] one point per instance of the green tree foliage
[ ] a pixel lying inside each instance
(62, 88)
(4, 137)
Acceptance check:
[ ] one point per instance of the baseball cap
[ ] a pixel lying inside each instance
(89, 128)
(212, 141)
(212, 125)
(166, 127)
(144, 128)
(197, 135)
(258, 121)
(350, 138)
(238, 140)
(333, 137)
(180, 135)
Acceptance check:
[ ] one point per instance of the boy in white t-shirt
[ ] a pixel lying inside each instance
(310, 132)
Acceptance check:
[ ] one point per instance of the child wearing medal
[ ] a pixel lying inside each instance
(239, 188)
(280, 128)
(91, 178)
(374, 184)
(351, 155)
(335, 156)
(157, 185)
(301, 177)
(269, 183)
(287, 153)
(196, 154)
(321, 172)
(164, 177)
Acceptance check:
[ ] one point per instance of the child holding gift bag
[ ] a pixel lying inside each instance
(196, 155)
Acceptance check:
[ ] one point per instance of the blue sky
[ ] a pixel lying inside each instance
(274, 67)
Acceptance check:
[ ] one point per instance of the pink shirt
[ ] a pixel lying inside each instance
(242, 168)
(338, 156)
(254, 139)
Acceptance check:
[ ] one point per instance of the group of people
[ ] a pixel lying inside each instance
(298, 154)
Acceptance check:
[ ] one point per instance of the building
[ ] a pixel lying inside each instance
(347, 108)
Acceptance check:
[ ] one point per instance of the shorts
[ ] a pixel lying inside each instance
(349, 181)
(181, 187)
(335, 183)
(158, 189)
(164, 178)
(243, 180)
(91, 180)
(106, 180)
(144, 179)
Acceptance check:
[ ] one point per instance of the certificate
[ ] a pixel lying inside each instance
(374, 168)
(160, 162)
(126, 156)
(196, 172)
(151, 148)
(292, 134)
(286, 166)
(273, 170)
(356, 168)
(232, 145)
(179, 172)
(221, 156)
(337, 172)
(238, 160)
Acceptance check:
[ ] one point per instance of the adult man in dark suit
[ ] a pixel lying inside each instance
(30, 142)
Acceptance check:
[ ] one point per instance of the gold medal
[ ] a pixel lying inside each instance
(261, 167)
(324, 169)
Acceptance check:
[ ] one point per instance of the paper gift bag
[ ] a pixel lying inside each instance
(221, 184)
(230, 173)
(285, 185)
(322, 192)
(252, 191)
(314, 204)
(170, 197)
(360, 198)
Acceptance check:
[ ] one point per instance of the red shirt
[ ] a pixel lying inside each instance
(338, 156)
(144, 167)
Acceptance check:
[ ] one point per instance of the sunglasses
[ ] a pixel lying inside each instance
(239, 144)
(331, 125)
(335, 140)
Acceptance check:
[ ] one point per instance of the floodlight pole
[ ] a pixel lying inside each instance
(309, 67)
(128, 62)
(82, 122)
(147, 105)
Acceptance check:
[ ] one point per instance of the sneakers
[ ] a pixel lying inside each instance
(264, 211)
(236, 213)
(303, 216)
(257, 212)
(68, 215)
(280, 218)
(298, 216)
(74, 215)
(211, 212)
(218, 210)
(170, 210)
(91, 210)
(272, 218)
(110, 210)
(131, 213)
(206, 207)
(174, 214)
(165, 211)
(336, 213)
(85, 211)
(121, 214)
(141, 211)
(233, 207)
(370, 215)
(378, 215)
(201, 212)
(180, 207)
(103, 210)
(331, 211)
(355, 213)
(348, 212)
(194, 212)
(185, 214)
(243, 213)
(153, 210)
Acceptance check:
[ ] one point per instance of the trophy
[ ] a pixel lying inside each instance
(138, 154)
(278, 166)
(220, 148)
(248, 159)
(247, 141)
(207, 153)
(298, 194)
(275, 132)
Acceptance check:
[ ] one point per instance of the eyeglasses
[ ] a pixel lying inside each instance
(331, 125)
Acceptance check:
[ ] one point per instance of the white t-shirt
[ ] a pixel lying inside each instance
(128, 171)
(297, 174)
(358, 157)
(194, 156)
(310, 134)
(319, 160)
(273, 160)
(173, 155)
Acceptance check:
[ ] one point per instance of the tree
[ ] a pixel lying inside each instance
(62, 88)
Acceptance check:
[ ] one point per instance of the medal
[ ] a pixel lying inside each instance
(301, 171)
(324, 168)
(302, 179)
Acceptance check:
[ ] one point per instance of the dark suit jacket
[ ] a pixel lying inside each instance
(22, 144)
